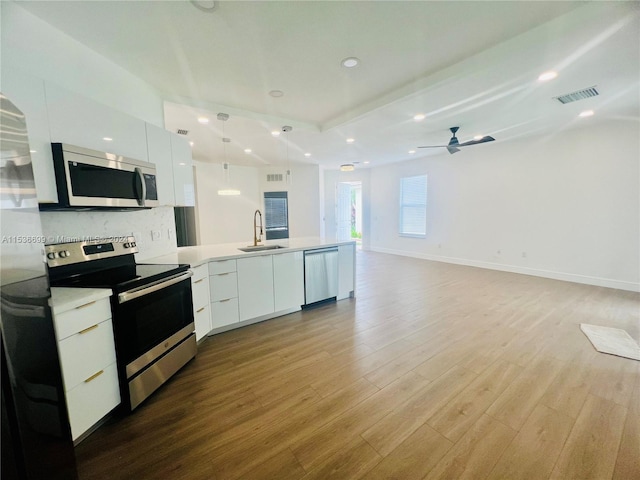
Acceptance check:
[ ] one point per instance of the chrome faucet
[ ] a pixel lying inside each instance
(257, 238)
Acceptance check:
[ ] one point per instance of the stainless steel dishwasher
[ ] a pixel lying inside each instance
(320, 274)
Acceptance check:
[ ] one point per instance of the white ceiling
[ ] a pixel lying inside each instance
(469, 64)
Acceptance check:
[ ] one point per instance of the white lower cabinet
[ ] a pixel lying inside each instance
(92, 399)
(255, 286)
(288, 280)
(201, 307)
(223, 291)
(346, 271)
(88, 363)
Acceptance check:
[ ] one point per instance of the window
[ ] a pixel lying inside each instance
(276, 215)
(413, 206)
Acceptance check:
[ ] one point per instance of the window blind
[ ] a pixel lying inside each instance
(413, 206)
(276, 215)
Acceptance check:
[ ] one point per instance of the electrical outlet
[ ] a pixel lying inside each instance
(155, 235)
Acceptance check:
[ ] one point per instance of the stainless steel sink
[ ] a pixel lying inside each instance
(259, 248)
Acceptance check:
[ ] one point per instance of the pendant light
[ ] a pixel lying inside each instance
(228, 190)
(287, 129)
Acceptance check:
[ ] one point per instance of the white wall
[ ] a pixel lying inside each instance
(303, 197)
(563, 207)
(225, 219)
(38, 50)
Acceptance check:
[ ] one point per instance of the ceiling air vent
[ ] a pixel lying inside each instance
(274, 177)
(579, 95)
(180, 131)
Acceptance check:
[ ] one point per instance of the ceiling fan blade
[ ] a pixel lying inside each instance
(452, 150)
(434, 146)
(476, 142)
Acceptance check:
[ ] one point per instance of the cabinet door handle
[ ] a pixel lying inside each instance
(94, 376)
(88, 329)
(198, 281)
(225, 300)
(223, 274)
(199, 310)
(85, 305)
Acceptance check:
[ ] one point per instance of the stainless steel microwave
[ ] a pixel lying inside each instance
(90, 179)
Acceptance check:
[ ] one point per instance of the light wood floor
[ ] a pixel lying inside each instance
(433, 371)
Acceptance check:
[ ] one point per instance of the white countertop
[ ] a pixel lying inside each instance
(200, 254)
(63, 298)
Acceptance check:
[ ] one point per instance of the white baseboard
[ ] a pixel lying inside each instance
(567, 277)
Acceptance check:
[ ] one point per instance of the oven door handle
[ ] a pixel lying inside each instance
(154, 287)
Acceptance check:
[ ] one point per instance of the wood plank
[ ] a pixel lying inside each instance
(457, 416)
(590, 451)
(534, 451)
(414, 457)
(352, 463)
(519, 399)
(282, 465)
(628, 460)
(477, 452)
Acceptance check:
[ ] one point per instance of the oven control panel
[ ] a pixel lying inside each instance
(60, 254)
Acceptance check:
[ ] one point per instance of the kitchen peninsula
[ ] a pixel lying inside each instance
(233, 288)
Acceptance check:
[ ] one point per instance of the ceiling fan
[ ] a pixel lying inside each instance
(453, 144)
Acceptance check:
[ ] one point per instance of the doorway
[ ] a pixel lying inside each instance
(349, 211)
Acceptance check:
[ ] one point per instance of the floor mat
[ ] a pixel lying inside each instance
(611, 340)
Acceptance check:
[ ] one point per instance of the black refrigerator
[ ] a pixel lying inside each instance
(36, 436)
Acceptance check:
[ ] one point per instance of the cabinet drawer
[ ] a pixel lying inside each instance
(91, 400)
(224, 312)
(200, 292)
(202, 320)
(223, 286)
(85, 353)
(222, 266)
(199, 272)
(82, 317)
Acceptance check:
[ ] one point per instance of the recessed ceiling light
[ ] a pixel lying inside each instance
(191, 143)
(107, 139)
(182, 163)
(247, 150)
(33, 151)
(586, 113)
(546, 76)
(478, 137)
(412, 151)
(307, 154)
(275, 133)
(419, 116)
(366, 161)
(347, 167)
(276, 93)
(350, 62)
(203, 120)
(351, 140)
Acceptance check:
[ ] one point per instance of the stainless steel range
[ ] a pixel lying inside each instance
(151, 306)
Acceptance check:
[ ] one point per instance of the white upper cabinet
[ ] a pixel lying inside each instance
(28, 94)
(159, 148)
(80, 121)
(182, 171)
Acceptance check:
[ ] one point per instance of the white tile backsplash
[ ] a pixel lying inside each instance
(154, 228)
